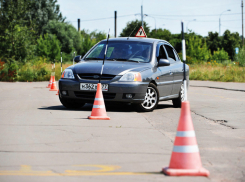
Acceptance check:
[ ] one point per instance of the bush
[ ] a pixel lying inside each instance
(220, 55)
(8, 70)
(240, 57)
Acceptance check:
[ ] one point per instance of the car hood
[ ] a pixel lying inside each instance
(110, 67)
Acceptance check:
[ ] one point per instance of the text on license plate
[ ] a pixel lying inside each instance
(90, 86)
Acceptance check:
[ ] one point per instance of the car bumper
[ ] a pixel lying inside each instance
(116, 91)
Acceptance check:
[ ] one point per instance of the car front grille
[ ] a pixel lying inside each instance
(91, 95)
(95, 76)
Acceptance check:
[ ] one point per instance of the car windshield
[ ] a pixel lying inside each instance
(122, 51)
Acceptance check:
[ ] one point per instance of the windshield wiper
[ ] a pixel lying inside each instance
(93, 59)
(119, 59)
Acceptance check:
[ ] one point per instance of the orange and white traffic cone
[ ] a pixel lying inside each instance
(98, 111)
(185, 159)
(50, 82)
(53, 86)
(58, 92)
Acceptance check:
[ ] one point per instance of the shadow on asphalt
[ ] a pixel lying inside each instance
(109, 107)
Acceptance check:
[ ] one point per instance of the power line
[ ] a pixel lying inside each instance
(198, 15)
(199, 20)
(103, 18)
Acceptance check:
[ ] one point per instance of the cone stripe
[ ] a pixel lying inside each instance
(182, 141)
(186, 149)
(98, 106)
(98, 99)
(185, 134)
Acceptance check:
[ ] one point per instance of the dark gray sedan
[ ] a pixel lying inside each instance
(140, 71)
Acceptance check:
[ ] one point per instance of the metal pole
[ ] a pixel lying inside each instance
(142, 20)
(54, 67)
(78, 23)
(219, 26)
(184, 60)
(115, 24)
(73, 58)
(104, 55)
(242, 26)
(61, 63)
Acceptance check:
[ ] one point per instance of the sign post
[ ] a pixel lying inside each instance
(184, 60)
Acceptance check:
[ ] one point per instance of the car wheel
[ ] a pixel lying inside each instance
(151, 99)
(71, 104)
(177, 101)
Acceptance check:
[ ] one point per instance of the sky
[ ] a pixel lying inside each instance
(200, 16)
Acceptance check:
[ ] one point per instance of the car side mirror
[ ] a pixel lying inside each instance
(163, 62)
(78, 59)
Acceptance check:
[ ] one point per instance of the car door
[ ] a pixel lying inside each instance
(176, 68)
(165, 81)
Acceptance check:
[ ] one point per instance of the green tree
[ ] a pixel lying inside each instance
(21, 24)
(68, 36)
(230, 41)
(89, 39)
(43, 11)
(163, 34)
(197, 49)
(48, 46)
(213, 41)
(15, 36)
(132, 28)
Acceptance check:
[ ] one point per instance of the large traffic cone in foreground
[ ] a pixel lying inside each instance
(50, 82)
(98, 111)
(185, 159)
(53, 86)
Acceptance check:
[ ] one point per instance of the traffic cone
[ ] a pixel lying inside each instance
(98, 111)
(58, 92)
(185, 159)
(53, 86)
(50, 82)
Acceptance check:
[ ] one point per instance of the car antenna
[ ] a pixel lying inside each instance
(132, 32)
(104, 55)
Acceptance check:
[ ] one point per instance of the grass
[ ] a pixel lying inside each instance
(57, 69)
(40, 72)
(213, 71)
(31, 71)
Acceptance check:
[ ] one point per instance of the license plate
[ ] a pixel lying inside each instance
(90, 86)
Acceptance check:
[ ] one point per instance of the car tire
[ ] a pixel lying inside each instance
(151, 99)
(177, 102)
(71, 104)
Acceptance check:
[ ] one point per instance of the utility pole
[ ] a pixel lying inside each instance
(78, 24)
(142, 20)
(115, 24)
(219, 26)
(220, 20)
(242, 26)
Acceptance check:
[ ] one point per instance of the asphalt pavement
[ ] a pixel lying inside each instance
(43, 141)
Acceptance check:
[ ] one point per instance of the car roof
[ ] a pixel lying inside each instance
(137, 39)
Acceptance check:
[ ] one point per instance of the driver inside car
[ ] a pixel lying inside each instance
(119, 52)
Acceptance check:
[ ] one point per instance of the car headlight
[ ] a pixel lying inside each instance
(131, 76)
(68, 73)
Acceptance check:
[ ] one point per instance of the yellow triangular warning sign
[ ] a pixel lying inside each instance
(141, 32)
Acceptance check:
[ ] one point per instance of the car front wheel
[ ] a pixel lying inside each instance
(151, 99)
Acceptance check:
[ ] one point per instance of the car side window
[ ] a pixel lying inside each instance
(170, 52)
(162, 53)
(176, 55)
